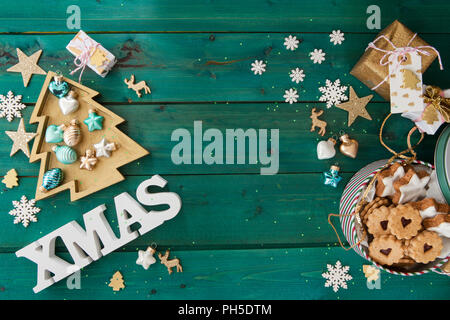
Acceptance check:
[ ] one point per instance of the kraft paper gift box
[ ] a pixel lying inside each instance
(369, 70)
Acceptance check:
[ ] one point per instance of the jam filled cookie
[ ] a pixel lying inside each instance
(386, 250)
(377, 222)
(426, 247)
(371, 206)
(411, 187)
(404, 221)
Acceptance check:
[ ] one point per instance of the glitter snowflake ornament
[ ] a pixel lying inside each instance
(337, 276)
(317, 56)
(258, 67)
(333, 93)
(24, 211)
(291, 43)
(290, 96)
(297, 75)
(337, 37)
(10, 106)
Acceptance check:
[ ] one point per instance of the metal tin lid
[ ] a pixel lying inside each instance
(442, 162)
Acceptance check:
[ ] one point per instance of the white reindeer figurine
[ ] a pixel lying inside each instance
(137, 87)
(316, 122)
(170, 263)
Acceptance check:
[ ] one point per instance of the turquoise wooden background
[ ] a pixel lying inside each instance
(239, 235)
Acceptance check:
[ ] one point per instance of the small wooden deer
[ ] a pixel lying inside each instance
(137, 87)
(170, 263)
(316, 122)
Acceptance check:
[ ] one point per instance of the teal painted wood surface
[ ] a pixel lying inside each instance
(239, 234)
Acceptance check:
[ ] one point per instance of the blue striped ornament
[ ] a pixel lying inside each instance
(65, 154)
(51, 179)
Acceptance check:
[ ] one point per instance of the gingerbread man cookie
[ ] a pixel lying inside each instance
(404, 221)
(377, 222)
(426, 247)
(411, 187)
(386, 250)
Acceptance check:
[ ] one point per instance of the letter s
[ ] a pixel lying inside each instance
(153, 199)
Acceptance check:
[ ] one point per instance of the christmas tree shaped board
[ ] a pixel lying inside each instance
(80, 182)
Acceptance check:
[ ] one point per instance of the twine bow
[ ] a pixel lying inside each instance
(399, 54)
(437, 103)
(81, 60)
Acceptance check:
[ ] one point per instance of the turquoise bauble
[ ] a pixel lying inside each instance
(59, 87)
(52, 178)
(54, 134)
(65, 154)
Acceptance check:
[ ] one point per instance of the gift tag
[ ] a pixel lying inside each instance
(406, 82)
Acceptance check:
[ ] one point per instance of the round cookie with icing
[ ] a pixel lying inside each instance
(386, 250)
(426, 247)
(377, 222)
(404, 221)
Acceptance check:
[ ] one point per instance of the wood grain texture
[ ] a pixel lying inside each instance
(151, 126)
(239, 235)
(219, 15)
(223, 274)
(195, 68)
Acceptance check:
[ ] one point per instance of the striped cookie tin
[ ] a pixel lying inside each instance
(350, 198)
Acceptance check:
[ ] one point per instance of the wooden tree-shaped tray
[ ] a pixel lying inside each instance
(81, 182)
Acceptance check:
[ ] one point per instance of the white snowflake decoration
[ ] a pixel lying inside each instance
(10, 106)
(336, 37)
(291, 43)
(317, 56)
(333, 93)
(258, 67)
(337, 276)
(290, 96)
(24, 211)
(297, 75)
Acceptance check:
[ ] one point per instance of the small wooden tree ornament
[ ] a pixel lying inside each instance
(116, 282)
(170, 263)
(316, 122)
(10, 179)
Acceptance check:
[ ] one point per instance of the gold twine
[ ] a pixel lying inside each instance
(396, 155)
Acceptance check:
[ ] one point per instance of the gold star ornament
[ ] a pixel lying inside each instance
(27, 66)
(355, 107)
(20, 139)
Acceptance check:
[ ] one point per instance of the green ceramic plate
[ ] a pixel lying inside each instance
(442, 162)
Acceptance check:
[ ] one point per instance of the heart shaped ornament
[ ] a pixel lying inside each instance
(69, 103)
(325, 149)
(54, 134)
(349, 147)
(58, 87)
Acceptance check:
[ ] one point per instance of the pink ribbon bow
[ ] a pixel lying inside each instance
(399, 53)
(83, 58)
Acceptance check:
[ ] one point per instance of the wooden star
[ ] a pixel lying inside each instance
(355, 107)
(27, 66)
(21, 139)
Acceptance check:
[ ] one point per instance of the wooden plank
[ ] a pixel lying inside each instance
(152, 129)
(242, 211)
(222, 15)
(192, 67)
(223, 274)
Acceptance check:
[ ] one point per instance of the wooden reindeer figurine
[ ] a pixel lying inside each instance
(170, 263)
(316, 122)
(137, 87)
